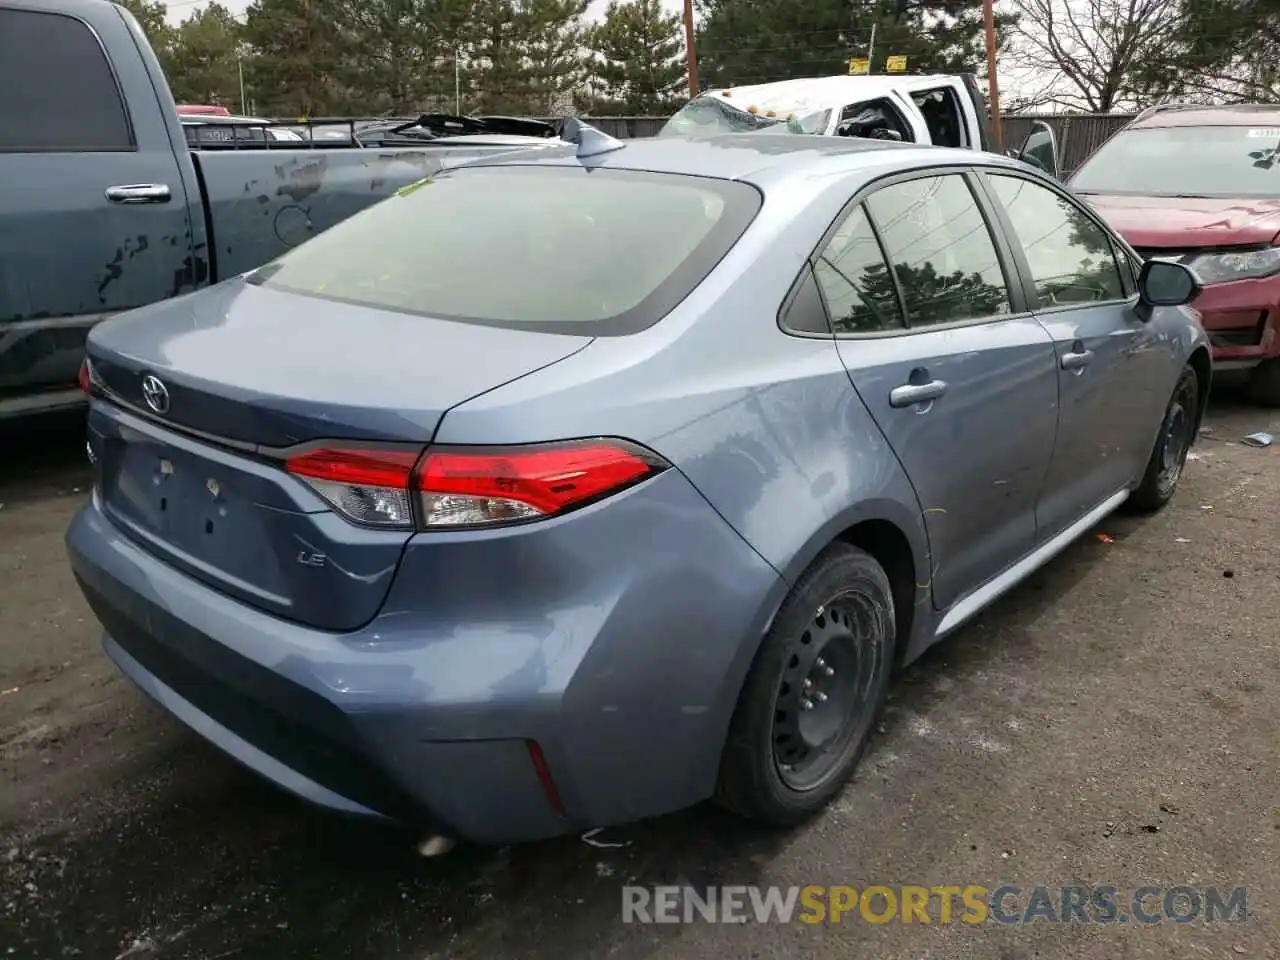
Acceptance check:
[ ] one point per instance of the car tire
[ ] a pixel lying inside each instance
(1264, 383)
(1169, 456)
(831, 647)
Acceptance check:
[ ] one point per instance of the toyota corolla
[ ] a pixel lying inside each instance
(575, 488)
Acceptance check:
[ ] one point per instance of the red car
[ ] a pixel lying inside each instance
(202, 110)
(1202, 185)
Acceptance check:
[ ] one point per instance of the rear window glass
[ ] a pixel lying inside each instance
(1186, 162)
(563, 249)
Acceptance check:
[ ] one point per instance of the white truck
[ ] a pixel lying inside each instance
(941, 109)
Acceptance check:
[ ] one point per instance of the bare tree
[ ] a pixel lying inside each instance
(1091, 55)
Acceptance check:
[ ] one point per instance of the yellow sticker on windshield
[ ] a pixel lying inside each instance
(1264, 133)
(409, 188)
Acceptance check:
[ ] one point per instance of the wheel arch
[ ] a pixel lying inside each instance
(895, 535)
(888, 530)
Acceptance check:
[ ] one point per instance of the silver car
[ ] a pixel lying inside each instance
(577, 486)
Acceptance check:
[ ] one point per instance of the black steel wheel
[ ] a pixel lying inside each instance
(824, 699)
(1173, 443)
(817, 685)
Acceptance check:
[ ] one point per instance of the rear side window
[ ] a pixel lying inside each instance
(855, 280)
(57, 91)
(562, 249)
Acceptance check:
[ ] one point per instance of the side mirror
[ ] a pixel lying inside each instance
(1040, 149)
(1162, 283)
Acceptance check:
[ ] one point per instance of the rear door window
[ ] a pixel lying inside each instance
(563, 249)
(941, 250)
(57, 90)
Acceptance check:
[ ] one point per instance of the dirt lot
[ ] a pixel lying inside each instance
(1114, 721)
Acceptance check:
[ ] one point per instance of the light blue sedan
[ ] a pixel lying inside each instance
(583, 485)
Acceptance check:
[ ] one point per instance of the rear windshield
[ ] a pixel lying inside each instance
(1186, 162)
(562, 249)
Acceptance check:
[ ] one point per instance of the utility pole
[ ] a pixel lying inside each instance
(871, 50)
(240, 68)
(993, 87)
(690, 54)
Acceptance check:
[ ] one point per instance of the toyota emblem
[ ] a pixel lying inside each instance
(155, 393)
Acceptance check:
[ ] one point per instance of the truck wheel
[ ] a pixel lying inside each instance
(1177, 433)
(1264, 383)
(817, 685)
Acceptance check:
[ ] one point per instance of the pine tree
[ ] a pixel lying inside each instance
(395, 51)
(552, 35)
(757, 41)
(152, 17)
(204, 57)
(496, 55)
(297, 61)
(638, 67)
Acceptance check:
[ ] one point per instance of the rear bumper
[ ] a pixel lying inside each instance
(1241, 319)
(616, 639)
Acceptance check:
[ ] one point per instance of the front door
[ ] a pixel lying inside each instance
(962, 385)
(1111, 372)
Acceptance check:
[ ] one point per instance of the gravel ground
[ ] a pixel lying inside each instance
(1113, 721)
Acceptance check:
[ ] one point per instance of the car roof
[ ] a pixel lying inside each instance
(1195, 115)
(759, 157)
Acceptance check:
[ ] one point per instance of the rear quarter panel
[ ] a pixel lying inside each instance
(765, 425)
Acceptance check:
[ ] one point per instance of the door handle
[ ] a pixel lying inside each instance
(910, 394)
(139, 193)
(1077, 360)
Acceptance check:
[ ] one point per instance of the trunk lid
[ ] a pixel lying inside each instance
(271, 368)
(247, 370)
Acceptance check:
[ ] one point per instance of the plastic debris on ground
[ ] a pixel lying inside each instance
(1258, 440)
(1105, 538)
(590, 835)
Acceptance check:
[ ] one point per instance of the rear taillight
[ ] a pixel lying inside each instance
(89, 382)
(454, 488)
(465, 488)
(366, 485)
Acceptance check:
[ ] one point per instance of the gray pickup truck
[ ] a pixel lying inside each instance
(106, 206)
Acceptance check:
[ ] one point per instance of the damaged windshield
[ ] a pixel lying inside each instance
(704, 115)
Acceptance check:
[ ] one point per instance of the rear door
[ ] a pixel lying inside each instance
(93, 213)
(1112, 370)
(959, 376)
